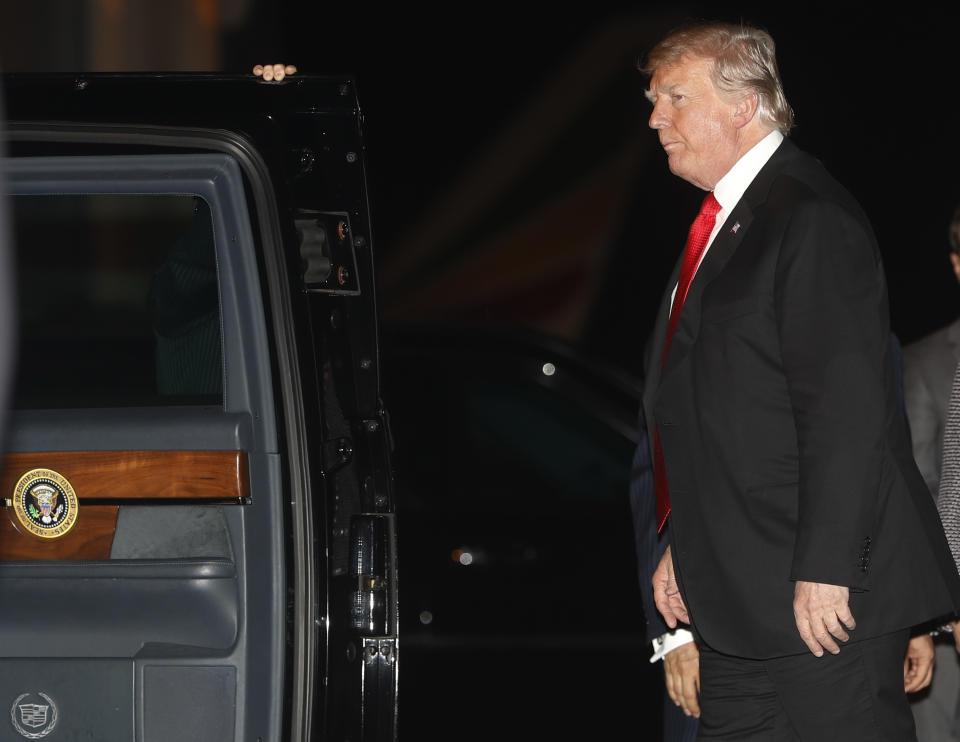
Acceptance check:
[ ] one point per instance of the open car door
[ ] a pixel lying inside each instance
(197, 536)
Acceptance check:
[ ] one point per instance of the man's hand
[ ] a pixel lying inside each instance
(822, 612)
(918, 664)
(666, 594)
(274, 71)
(681, 669)
(956, 635)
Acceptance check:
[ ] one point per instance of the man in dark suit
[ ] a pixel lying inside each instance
(803, 544)
(928, 369)
(928, 366)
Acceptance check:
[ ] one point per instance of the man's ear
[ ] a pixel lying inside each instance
(745, 110)
(955, 262)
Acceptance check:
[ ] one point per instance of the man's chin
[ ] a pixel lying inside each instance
(676, 166)
(685, 173)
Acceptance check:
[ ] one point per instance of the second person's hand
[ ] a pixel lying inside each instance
(277, 72)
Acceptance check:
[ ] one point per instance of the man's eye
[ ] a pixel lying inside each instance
(677, 98)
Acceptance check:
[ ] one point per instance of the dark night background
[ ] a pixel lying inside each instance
(514, 181)
(874, 96)
(441, 86)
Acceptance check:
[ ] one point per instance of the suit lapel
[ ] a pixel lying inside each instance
(657, 340)
(730, 236)
(724, 245)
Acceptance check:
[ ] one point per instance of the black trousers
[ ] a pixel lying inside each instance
(853, 696)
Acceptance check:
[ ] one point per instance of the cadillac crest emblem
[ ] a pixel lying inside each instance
(45, 503)
(34, 716)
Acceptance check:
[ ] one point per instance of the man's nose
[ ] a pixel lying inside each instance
(658, 119)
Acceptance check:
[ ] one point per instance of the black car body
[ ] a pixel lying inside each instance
(520, 614)
(197, 389)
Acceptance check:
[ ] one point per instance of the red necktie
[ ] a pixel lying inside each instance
(696, 242)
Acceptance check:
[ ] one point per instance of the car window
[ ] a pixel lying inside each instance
(117, 301)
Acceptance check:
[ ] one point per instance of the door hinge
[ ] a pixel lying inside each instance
(335, 454)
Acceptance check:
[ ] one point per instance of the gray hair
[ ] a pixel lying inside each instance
(744, 62)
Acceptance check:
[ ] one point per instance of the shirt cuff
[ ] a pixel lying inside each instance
(668, 642)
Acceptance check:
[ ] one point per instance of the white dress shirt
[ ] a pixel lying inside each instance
(731, 186)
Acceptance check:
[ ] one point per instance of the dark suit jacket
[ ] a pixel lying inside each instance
(777, 408)
(649, 545)
(677, 727)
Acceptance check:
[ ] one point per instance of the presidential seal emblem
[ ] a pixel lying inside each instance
(45, 503)
(33, 715)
